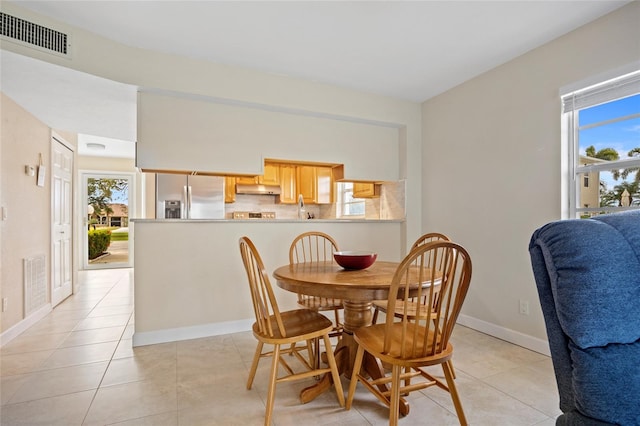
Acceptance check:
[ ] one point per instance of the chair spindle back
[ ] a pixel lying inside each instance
(312, 247)
(264, 301)
(444, 269)
(429, 238)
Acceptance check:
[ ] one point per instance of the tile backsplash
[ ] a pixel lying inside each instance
(267, 203)
(389, 206)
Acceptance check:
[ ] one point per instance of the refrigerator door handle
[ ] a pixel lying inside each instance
(189, 200)
(185, 202)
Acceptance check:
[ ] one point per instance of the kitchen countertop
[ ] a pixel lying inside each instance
(267, 220)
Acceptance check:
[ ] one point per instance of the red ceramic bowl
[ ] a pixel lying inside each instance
(355, 259)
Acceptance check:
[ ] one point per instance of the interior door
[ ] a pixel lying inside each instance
(62, 201)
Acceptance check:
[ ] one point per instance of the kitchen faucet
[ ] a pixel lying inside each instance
(301, 210)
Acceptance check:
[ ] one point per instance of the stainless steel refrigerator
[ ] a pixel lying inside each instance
(189, 197)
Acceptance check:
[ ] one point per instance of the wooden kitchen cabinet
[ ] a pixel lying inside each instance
(247, 180)
(288, 184)
(307, 184)
(365, 190)
(324, 185)
(271, 175)
(315, 183)
(229, 189)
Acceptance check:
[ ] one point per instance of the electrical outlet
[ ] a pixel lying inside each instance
(524, 307)
(5, 302)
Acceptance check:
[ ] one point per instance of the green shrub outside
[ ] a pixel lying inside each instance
(99, 240)
(120, 236)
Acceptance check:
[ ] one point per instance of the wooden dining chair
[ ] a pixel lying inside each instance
(414, 307)
(408, 343)
(283, 329)
(317, 246)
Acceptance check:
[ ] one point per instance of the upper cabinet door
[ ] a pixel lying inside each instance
(307, 183)
(247, 180)
(315, 184)
(324, 185)
(365, 190)
(271, 175)
(229, 189)
(288, 184)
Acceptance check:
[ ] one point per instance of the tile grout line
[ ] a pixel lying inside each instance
(124, 330)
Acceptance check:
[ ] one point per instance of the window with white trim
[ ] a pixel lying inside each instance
(603, 133)
(347, 206)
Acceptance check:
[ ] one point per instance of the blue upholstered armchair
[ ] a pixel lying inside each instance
(588, 276)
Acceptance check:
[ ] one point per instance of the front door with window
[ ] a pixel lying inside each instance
(107, 200)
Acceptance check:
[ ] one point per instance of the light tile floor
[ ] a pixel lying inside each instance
(77, 367)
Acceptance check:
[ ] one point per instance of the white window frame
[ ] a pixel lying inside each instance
(581, 97)
(344, 189)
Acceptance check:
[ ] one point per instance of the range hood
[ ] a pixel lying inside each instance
(257, 189)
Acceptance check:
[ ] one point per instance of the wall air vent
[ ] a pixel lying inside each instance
(34, 35)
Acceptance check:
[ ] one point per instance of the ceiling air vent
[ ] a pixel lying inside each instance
(34, 35)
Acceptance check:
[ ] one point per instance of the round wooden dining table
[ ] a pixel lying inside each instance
(357, 289)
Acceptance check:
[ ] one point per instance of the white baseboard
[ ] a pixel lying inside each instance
(23, 325)
(192, 332)
(217, 329)
(511, 336)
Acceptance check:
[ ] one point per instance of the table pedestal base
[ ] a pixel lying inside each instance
(356, 315)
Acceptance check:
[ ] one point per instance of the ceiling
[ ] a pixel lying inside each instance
(70, 100)
(410, 50)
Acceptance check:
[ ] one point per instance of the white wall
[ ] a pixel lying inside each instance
(168, 74)
(491, 164)
(193, 283)
(26, 231)
(178, 133)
